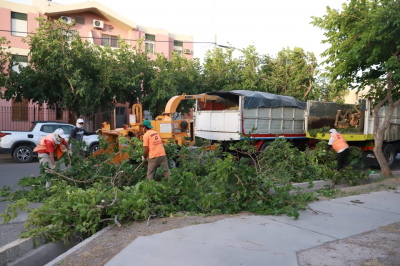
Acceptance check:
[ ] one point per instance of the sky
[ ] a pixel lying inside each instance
(269, 25)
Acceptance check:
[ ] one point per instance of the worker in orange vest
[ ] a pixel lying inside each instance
(154, 151)
(49, 146)
(337, 142)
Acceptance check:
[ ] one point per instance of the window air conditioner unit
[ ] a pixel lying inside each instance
(67, 19)
(98, 24)
(187, 51)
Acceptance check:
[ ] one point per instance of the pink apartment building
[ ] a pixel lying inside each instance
(93, 20)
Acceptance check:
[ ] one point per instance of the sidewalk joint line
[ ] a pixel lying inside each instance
(303, 228)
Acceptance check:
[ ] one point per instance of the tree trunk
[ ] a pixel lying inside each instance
(380, 156)
(380, 131)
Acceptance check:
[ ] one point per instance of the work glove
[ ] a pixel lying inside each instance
(98, 131)
(143, 159)
(53, 167)
(69, 152)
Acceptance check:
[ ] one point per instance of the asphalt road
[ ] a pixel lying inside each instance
(11, 171)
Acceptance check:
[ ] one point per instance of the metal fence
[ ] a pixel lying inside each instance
(93, 121)
(21, 118)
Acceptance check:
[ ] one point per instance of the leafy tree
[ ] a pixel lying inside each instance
(170, 78)
(5, 61)
(221, 71)
(250, 63)
(65, 71)
(291, 73)
(135, 72)
(326, 90)
(365, 51)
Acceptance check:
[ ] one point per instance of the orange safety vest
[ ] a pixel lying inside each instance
(58, 151)
(339, 142)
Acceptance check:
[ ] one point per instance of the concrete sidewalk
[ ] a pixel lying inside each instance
(264, 240)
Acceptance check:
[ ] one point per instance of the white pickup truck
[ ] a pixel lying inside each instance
(20, 144)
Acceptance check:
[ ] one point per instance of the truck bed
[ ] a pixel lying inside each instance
(266, 122)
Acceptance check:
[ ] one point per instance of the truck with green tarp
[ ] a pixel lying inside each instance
(264, 116)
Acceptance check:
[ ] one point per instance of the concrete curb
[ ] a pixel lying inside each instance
(75, 248)
(323, 183)
(16, 249)
(42, 254)
(25, 252)
(318, 185)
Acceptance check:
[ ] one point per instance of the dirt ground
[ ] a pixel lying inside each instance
(375, 248)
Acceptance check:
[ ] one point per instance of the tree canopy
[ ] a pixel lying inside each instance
(65, 71)
(5, 61)
(364, 43)
(292, 73)
(175, 77)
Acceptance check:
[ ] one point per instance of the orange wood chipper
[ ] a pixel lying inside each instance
(180, 131)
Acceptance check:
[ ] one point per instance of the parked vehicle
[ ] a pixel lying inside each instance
(20, 144)
(238, 112)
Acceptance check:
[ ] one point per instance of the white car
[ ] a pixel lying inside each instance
(20, 144)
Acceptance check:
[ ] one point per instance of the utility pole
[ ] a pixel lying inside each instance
(215, 41)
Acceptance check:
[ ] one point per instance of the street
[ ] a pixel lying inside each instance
(11, 171)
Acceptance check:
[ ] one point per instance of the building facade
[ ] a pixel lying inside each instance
(93, 21)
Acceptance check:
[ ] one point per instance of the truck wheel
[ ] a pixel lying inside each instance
(94, 148)
(173, 163)
(389, 152)
(23, 154)
(264, 146)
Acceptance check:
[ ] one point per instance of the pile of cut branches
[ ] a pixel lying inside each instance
(93, 192)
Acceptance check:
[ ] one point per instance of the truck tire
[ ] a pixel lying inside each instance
(264, 146)
(173, 163)
(389, 152)
(23, 154)
(94, 148)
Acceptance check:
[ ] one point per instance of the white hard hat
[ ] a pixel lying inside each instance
(57, 135)
(332, 131)
(79, 122)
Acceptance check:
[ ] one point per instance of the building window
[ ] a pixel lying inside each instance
(19, 60)
(178, 48)
(19, 110)
(19, 24)
(79, 20)
(150, 43)
(109, 40)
